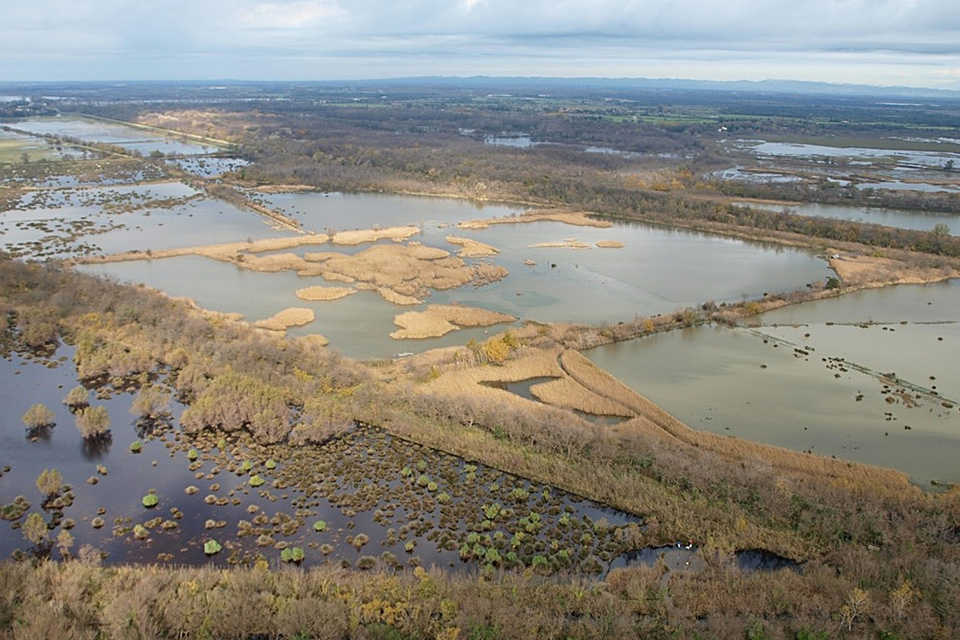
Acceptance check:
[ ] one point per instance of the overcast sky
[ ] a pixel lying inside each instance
(879, 42)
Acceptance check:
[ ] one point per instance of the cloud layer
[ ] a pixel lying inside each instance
(902, 42)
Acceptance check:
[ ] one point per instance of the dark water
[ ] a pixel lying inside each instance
(415, 505)
(686, 557)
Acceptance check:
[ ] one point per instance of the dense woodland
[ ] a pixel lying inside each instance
(876, 559)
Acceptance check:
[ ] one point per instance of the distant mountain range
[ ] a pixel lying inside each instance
(672, 84)
(522, 86)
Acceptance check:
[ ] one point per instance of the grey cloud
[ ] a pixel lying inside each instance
(427, 36)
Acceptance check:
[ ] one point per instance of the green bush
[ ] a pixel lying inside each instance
(292, 554)
(150, 500)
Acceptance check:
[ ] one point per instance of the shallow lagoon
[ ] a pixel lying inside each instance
(657, 271)
(808, 379)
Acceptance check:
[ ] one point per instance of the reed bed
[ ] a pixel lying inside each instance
(362, 236)
(324, 293)
(472, 248)
(397, 298)
(866, 271)
(570, 394)
(575, 218)
(283, 320)
(439, 320)
(565, 244)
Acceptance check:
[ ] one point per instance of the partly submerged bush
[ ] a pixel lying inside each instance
(93, 422)
(77, 398)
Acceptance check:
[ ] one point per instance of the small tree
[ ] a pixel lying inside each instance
(64, 542)
(49, 482)
(38, 417)
(858, 603)
(93, 422)
(34, 528)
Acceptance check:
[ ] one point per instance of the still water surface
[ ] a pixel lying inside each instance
(657, 271)
(828, 397)
(899, 218)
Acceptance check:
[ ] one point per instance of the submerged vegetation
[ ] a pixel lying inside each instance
(454, 471)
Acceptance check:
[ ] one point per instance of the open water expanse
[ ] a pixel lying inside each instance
(657, 271)
(870, 377)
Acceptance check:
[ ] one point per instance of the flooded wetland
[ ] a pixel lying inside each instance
(868, 377)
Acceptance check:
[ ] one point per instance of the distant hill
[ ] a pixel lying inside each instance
(670, 84)
(626, 88)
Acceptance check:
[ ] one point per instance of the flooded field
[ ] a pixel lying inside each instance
(903, 157)
(869, 377)
(71, 223)
(143, 141)
(17, 148)
(364, 499)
